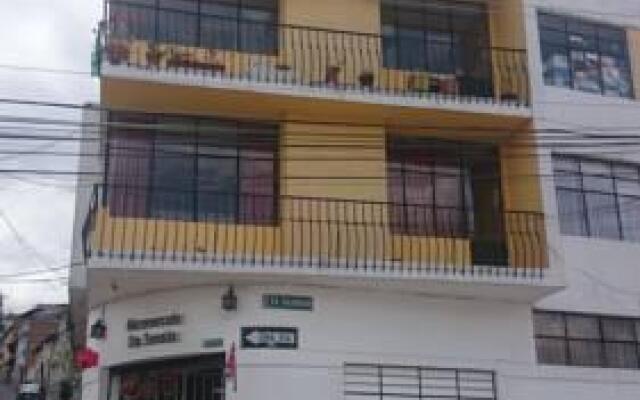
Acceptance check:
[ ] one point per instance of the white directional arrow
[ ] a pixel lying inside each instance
(254, 337)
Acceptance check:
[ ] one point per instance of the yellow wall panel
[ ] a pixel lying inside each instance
(633, 36)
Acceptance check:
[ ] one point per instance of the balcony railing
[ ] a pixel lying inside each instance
(294, 56)
(235, 231)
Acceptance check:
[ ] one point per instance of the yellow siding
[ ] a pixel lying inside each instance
(363, 232)
(358, 230)
(353, 15)
(633, 37)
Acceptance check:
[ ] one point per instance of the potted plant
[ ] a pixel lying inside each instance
(216, 65)
(154, 55)
(366, 79)
(117, 52)
(332, 76)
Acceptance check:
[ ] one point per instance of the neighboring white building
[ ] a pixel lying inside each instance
(478, 240)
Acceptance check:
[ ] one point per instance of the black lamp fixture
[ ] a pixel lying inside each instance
(230, 300)
(98, 329)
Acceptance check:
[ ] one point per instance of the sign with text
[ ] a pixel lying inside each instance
(147, 338)
(287, 302)
(264, 337)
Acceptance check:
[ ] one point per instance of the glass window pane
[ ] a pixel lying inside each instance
(571, 213)
(257, 175)
(630, 217)
(549, 324)
(556, 69)
(177, 27)
(582, 327)
(628, 186)
(218, 33)
(585, 353)
(553, 38)
(552, 21)
(179, 5)
(621, 355)
(566, 163)
(173, 176)
(603, 216)
(618, 329)
(217, 186)
(551, 351)
(586, 71)
(597, 176)
(615, 76)
(132, 22)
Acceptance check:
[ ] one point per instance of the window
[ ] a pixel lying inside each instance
(597, 198)
(584, 56)
(196, 378)
(431, 185)
(587, 340)
(244, 25)
(433, 36)
(191, 168)
(389, 382)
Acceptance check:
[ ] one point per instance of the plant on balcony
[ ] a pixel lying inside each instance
(117, 52)
(332, 75)
(215, 64)
(154, 55)
(366, 79)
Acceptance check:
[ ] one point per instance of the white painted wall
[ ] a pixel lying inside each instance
(603, 276)
(345, 326)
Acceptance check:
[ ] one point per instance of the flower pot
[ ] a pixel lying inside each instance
(117, 53)
(333, 73)
(366, 79)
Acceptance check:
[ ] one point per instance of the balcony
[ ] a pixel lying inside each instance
(318, 236)
(230, 53)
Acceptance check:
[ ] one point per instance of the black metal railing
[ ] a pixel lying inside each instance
(193, 43)
(377, 381)
(251, 230)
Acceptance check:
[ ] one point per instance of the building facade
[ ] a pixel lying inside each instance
(52, 365)
(361, 199)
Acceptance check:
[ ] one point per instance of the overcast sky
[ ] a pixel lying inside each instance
(46, 34)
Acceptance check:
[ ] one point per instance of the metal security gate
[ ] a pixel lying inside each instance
(390, 382)
(198, 378)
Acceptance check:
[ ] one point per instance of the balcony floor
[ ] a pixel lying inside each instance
(289, 97)
(131, 277)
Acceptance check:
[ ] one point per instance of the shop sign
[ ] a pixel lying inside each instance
(269, 338)
(287, 302)
(155, 322)
(150, 339)
(153, 338)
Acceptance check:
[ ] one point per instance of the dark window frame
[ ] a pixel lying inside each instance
(400, 150)
(568, 49)
(620, 199)
(272, 143)
(601, 341)
(238, 21)
(453, 43)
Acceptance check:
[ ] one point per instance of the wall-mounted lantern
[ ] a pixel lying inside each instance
(98, 329)
(230, 300)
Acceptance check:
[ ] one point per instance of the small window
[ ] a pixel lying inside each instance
(597, 198)
(584, 56)
(586, 340)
